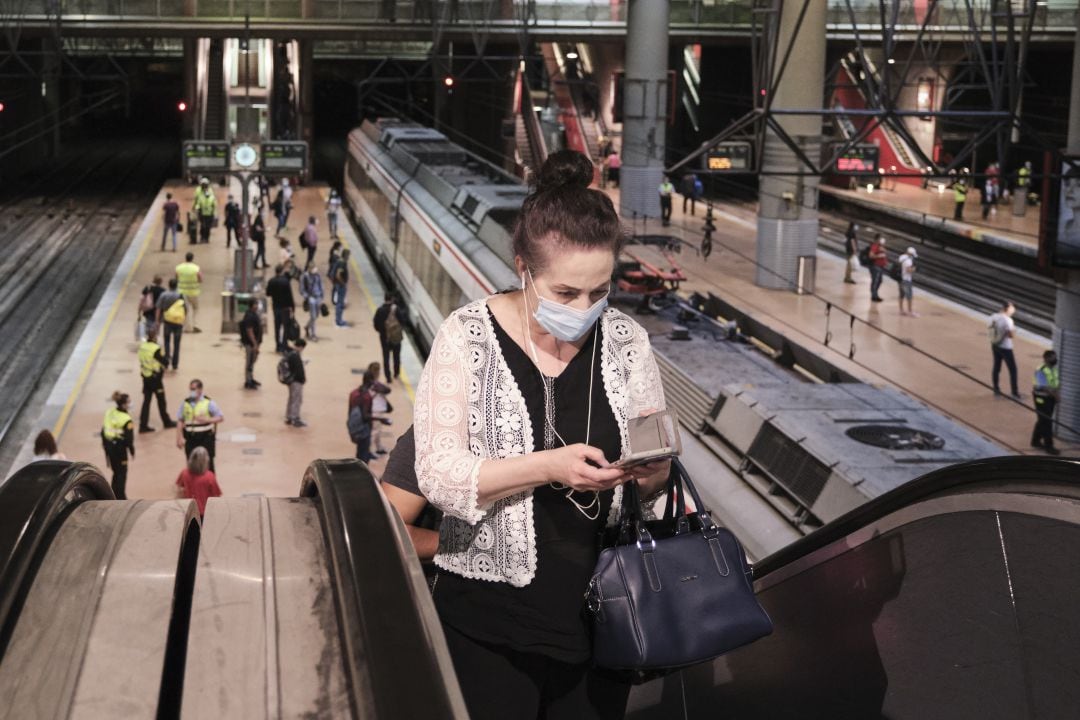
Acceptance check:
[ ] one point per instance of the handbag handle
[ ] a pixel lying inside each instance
(631, 521)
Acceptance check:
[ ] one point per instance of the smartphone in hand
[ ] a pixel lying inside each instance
(652, 437)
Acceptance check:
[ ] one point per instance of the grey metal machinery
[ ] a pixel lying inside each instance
(645, 93)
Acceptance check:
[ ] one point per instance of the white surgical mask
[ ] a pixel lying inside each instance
(562, 321)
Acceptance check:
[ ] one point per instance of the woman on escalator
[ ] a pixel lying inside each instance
(118, 439)
(520, 410)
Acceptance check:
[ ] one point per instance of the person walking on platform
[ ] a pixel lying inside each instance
(989, 196)
(360, 418)
(666, 189)
(309, 239)
(189, 283)
(333, 207)
(282, 205)
(1002, 329)
(198, 419)
(390, 324)
(851, 250)
(197, 481)
(1023, 186)
(251, 335)
(171, 212)
(232, 222)
(148, 306)
(339, 276)
(311, 289)
(205, 208)
(1046, 393)
(296, 377)
(907, 280)
(118, 439)
(279, 290)
(170, 314)
(258, 236)
(879, 260)
(192, 227)
(152, 369)
(380, 409)
(960, 191)
(692, 189)
(614, 167)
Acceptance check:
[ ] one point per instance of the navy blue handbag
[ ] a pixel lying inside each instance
(671, 592)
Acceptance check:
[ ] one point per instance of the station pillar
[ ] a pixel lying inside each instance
(787, 209)
(645, 100)
(1067, 307)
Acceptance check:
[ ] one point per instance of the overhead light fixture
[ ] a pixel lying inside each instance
(571, 55)
(892, 61)
(538, 108)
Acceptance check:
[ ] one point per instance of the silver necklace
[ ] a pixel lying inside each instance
(550, 433)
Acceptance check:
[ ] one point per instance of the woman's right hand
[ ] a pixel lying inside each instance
(570, 466)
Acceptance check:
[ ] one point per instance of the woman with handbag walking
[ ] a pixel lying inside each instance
(521, 409)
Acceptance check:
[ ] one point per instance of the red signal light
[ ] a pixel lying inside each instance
(181, 106)
(448, 81)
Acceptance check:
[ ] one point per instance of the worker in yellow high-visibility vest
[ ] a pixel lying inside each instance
(152, 368)
(1047, 391)
(189, 285)
(205, 206)
(118, 439)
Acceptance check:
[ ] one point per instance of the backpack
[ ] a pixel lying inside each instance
(292, 330)
(146, 302)
(303, 239)
(699, 188)
(284, 372)
(394, 331)
(176, 313)
(996, 331)
(359, 428)
(894, 271)
(864, 256)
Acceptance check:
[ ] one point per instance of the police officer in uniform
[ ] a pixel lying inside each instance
(1047, 388)
(118, 439)
(199, 417)
(205, 208)
(152, 368)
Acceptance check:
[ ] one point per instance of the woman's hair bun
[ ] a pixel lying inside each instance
(565, 168)
(118, 396)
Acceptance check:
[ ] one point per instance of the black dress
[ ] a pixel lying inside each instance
(546, 616)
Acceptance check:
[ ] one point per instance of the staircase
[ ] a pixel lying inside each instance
(524, 147)
(214, 127)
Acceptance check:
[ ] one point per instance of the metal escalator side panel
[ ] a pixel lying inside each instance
(396, 656)
(264, 639)
(31, 501)
(92, 636)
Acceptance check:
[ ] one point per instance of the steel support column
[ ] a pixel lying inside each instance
(645, 108)
(787, 209)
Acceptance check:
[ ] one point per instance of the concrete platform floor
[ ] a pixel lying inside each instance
(256, 452)
(939, 358)
(1023, 230)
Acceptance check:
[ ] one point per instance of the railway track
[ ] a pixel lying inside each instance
(57, 249)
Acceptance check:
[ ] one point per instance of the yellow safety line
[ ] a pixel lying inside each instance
(100, 340)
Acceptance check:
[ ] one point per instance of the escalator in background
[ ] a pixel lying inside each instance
(953, 596)
(214, 127)
(312, 606)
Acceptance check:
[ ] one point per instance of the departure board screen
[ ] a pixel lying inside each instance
(859, 160)
(287, 157)
(728, 157)
(206, 155)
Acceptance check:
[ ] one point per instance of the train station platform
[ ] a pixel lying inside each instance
(932, 210)
(941, 358)
(257, 453)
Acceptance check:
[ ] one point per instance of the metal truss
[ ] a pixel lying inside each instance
(995, 37)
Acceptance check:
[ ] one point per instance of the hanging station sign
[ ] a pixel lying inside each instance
(861, 159)
(205, 156)
(727, 157)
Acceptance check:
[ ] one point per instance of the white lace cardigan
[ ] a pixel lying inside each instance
(469, 408)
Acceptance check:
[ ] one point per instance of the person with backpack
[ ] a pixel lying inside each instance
(169, 315)
(879, 260)
(148, 306)
(692, 190)
(311, 289)
(339, 277)
(1002, 329)
(851, 250)
(291, 373)
(360, 418)
(380, 409)
(390, 324)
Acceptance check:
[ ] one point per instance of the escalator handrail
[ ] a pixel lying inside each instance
(1002, 474)
(30, 502)
(395, 660)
